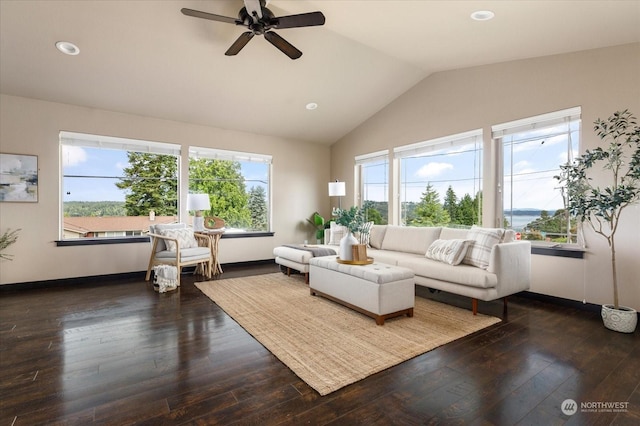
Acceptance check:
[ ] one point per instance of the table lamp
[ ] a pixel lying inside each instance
(337, 189)
(198, 203)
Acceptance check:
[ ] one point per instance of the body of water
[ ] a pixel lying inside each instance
(520, 222)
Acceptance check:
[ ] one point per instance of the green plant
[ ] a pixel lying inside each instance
(318, 222)
(9, 237)
(353, 219)
(600, 206)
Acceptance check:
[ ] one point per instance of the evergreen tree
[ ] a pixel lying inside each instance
(151, 183)
(429, 211)
(467, 211)
(223, 181)
(258, 208)
(451, 204)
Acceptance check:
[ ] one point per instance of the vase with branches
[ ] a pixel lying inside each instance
(601, 205)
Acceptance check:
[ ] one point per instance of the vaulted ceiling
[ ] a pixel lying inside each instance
(147, 58)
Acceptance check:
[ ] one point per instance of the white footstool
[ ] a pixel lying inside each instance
(377, 290)
(296, 258)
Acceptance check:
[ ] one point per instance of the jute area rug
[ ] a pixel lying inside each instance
(325, 344)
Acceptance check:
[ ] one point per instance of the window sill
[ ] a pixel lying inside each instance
(558, 250)
(145, 239)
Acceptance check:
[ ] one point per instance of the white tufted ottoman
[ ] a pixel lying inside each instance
(377, 290)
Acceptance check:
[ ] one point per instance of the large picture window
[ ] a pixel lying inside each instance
(532, 151)
(238, 185)
(114, 187)
(373, 171)
(441, 180)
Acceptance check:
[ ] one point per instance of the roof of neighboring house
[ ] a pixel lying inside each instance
(85, 224)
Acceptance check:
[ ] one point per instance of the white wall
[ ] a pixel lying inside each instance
(28, 126)
(601, 81)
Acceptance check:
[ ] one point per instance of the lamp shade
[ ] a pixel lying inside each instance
(198, 202)
(337, 189)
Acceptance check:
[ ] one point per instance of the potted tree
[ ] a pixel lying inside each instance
(601, 206)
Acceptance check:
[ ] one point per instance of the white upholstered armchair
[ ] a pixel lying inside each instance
(176, 244)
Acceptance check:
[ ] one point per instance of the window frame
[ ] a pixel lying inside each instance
(372, 159)
(86, 140)
(418, 149)
(240, 156)
(500, 133)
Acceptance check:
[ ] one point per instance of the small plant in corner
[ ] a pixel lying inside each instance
(318, 223)
(8, 238)
(601, 206)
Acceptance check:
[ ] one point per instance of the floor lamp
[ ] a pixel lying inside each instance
(198, 203)
(337, 189)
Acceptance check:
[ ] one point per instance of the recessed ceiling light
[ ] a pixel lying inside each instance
(67, 48)
(311, 106)
(482, 15)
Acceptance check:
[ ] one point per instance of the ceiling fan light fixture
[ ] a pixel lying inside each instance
(67, 48)
(311, 106)
(482, 15)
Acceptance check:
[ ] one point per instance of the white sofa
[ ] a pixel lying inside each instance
(508, 270)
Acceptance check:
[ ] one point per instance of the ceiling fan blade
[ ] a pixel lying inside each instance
(301, 20)
(282, 44)
(210, 16)
(239, 43)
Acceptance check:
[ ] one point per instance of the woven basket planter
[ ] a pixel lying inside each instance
(623, 319)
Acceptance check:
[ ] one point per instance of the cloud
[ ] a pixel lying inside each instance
(522, 167)
(73, 155)
(433, 169)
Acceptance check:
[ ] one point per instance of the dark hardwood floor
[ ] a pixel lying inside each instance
(118, 353)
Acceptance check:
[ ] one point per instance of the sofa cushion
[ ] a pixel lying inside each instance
(454, 233)
(410, 239)
(376, 235)
(337, 232)
(483, 240)
(509, 236)
(448, 251)
(184, 236)
(461, 274)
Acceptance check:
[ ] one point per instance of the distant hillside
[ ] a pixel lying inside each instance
(529, 212)
(94, 208)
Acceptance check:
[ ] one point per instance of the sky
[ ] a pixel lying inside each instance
(83, 161)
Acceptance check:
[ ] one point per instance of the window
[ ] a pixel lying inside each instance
(238, 185)
(532, 151)
(441, 180)
(114, 187)
(373, 172)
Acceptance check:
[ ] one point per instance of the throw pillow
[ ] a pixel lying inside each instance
(448, 251)
(184, 236)
(364, 235)
(483, 240)
(337, 232)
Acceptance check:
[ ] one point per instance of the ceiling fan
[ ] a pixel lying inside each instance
(261, 21)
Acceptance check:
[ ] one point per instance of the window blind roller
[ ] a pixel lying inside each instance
(372, 157)
(111, 142)
(221, 154)
(472, 137)
(537, 122)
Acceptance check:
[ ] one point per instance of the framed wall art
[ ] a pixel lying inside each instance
(18, 178)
